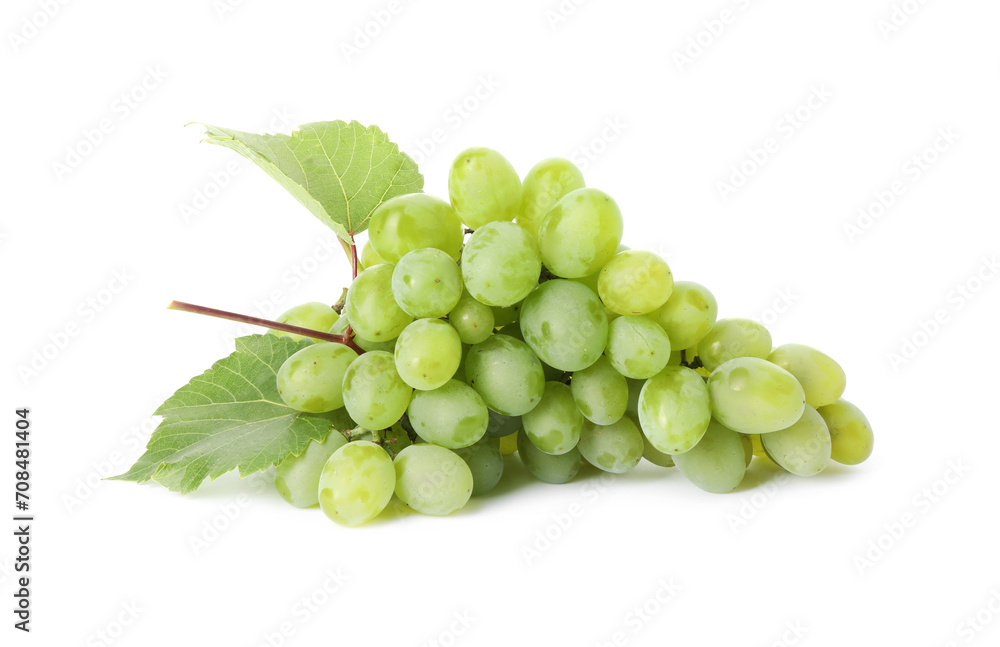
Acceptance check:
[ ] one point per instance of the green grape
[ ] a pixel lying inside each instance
(432, 480)
(374, 394)
(655, 456)
(341, 326)
(426, 283)
(580, 234)
(637, 347)
(314, 316)
(395, 439)
(414, 221)
(634, 391)
(500, 264)
(821, 378)
(311, 379)
(615, 448)
(369, 257)
(374, 313)
(505, 316)
(486, 464)
(297, 477)
(753, 396)
(674, 409)
(483, 187)
(549, 468)
(732, 338)
(501, 425)
(428, 353)
(635, 282)
(717, 463)
(554, 425)
(802, 448)
(452, 416)
(850, 432)
(472, 320)
(544, 185)
(600, 392)
(508, 444)
(505, 372)
(356, 483)
(564, 323)
(688, 315)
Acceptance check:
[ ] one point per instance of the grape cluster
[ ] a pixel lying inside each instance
(537, 332)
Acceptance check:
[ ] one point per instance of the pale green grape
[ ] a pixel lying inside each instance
(820, 376)
(486, 464)
(564, 323)
(414, 221)
(850, 432)
(655, 456)
(600, 392)
(501, 425)
(717, 463)
(311, 379)
(554, 425)
(369, 257)
(341, 326)
(452, 416)
(374, 313)
(505, 372)
(357, 483)
(374, 394)
(747, 448)
(674, 409)
(580, 234)
(615, 448)
(549, 468)
(297, 477)
(732, 338)
(483, 187)
(500, 264)
(472, 320)
(428, 353)
(802, 448)
(426, 283)
(634, 391)
(313, 315)
(635, 282)
(506, 315)
(753, 396)
(637, 347)
(544, 185)
(432, 480)
(688, 315)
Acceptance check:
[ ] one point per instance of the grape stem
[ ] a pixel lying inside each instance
(273, 325)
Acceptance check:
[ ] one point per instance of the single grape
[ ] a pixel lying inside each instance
(820, 376)
(753, 396)
(850, 432)
(356, 483)
(688, 315)
(674, 409)
(634, 391)
(428, 353)
(637, 347)
(508, 444)
(549, 468)
(615, 448)
(374, 394)
(564, 324)
(452, 416)
(486, 464)
(507, 315)
(802, 448)
(580, 234)
(501, 425)
(484, 187)
(311, 379)
(374, 313)
(472, 320)
(432, 480)
(635, 282)
(369, 257)
(655, 456)
(297, 477)
(506, 374)
(732, 338)
(543, 186)
(414, 221)
(747, 448)
(313, 315)
(500, 264)
(554, 425)
(426, 283)
(600, 392)
(717, 463)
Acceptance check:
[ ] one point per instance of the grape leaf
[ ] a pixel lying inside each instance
(231, 417)
(340, 171)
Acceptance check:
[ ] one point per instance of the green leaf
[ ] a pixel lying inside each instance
(341, 172)
(231, 417)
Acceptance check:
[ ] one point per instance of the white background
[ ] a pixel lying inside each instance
(741, 568)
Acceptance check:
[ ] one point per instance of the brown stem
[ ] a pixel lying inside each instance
(266, 323)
